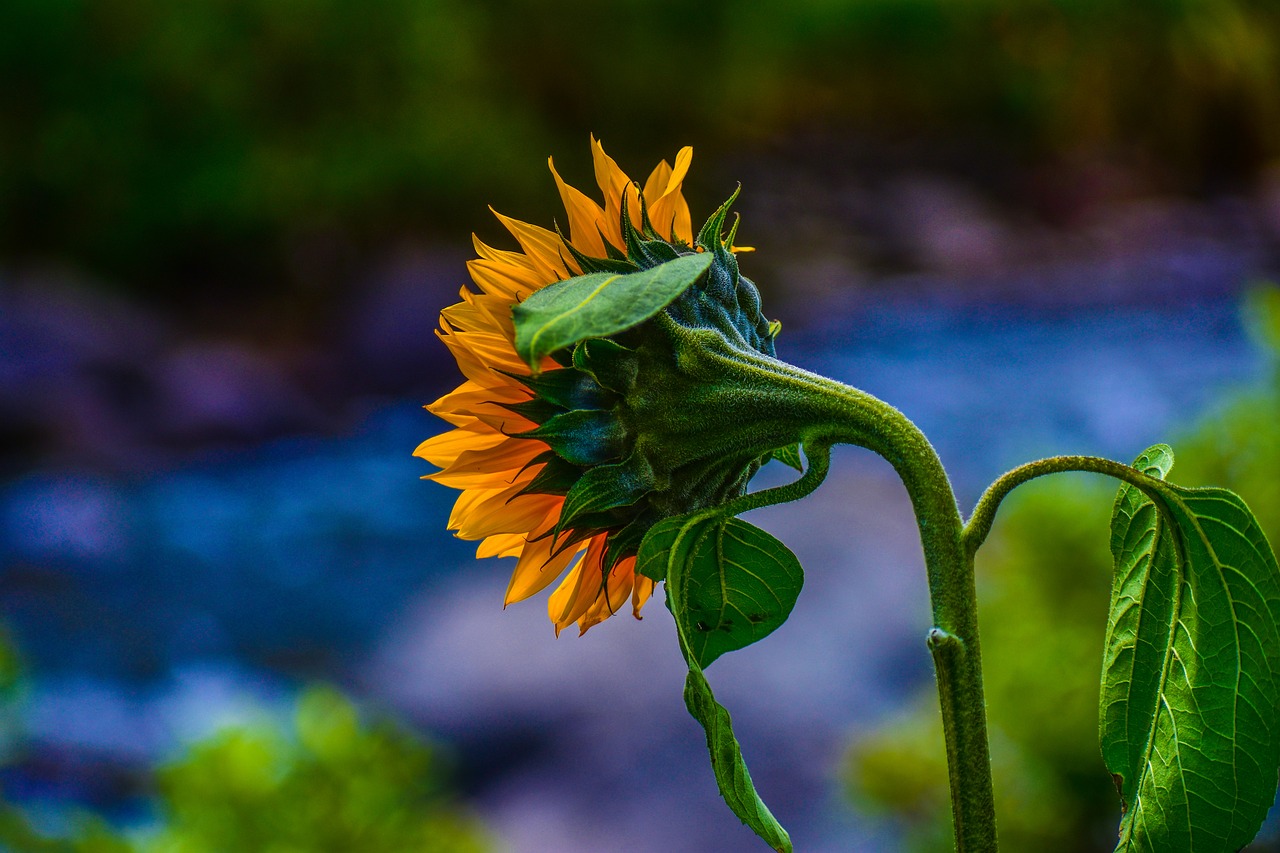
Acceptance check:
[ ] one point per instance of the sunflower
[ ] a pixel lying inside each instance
(522, 439)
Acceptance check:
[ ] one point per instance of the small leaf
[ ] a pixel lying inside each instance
(741, 585)
(598, 305)
(790, 456)
(1190, 704)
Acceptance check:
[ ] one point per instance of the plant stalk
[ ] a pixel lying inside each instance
(831, 413)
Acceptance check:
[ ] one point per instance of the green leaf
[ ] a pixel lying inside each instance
(740, 583)
(732, 776)
(598, 305)
(670, 549)
(790, 456)
(1190, 704)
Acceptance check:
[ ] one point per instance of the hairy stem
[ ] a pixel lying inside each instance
(832, 412)
(984, 514)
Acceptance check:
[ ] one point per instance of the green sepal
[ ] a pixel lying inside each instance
(598, 305)
(589, 264)
(733, 231)
(607, 487)
(609, 363)
(644, 251)
(568, 389)
(557, 476)
(740, 583)
(664, 554)
(1191, 669)
(582, 437)
(790, 456)
(709, 235)
(536, 409)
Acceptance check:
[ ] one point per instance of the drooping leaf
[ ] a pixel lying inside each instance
(598, 305)
(667, 553)
(732, 776)
(1190, 702)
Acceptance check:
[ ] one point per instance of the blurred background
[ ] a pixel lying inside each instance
(233, 618)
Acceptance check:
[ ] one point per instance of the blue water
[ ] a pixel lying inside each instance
(247, 570)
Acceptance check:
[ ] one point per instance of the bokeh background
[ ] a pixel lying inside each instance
(234, 619)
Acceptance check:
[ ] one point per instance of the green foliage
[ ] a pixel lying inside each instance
(599, 305)
(328, 782)
(1191, 673)
(672, 551)
(732, 777)
(162, 140)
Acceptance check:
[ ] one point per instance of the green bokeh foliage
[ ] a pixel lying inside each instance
(325, 782)
(167, 143)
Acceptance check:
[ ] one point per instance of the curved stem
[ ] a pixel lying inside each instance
(819, 459)
(780, 396)
(984, 514)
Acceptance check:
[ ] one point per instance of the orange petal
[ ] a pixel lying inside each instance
(643, 591)
(585, 217)
(542, 247)
(537, 568)
(443, 449)
(617, 588)
(579, 589)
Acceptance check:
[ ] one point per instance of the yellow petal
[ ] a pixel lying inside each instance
(443, 449)
(537, 568)
(656, 186)
(501, 511)
(501, 545)
(502, 256)
(579, 589)
(505, 280)
(585, 217)
(491, 467)
(542, 247)
(668, 211)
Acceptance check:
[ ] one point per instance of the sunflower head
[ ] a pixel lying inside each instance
(567, 457)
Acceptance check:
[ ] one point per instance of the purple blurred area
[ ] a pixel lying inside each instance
(195, 521)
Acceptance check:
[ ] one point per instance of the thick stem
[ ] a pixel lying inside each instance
(777, 396)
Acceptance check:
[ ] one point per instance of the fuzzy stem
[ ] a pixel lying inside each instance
(777, 396)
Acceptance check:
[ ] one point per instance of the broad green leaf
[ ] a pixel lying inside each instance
(1190, 704)
(668, 551)
(598, 305)
(740, 582)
